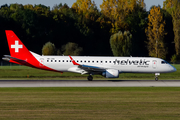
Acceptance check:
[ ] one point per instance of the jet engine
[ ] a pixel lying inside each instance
(111, 73)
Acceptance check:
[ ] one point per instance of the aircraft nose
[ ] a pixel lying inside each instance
(173, 69)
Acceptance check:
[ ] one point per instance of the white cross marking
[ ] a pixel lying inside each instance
(16, 46)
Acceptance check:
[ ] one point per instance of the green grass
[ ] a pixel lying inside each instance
(23, 72)
(90, 103)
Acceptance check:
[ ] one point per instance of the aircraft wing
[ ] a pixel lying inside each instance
(88, 68)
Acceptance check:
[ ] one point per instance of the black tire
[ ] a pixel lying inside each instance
(90, 78)
(156, 78)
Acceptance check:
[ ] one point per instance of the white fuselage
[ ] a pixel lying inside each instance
(122, 64)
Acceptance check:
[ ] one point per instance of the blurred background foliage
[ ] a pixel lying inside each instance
(83, 29)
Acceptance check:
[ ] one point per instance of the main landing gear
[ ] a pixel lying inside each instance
(90, 78)
(156, 76)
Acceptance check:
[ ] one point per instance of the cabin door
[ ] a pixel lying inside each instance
(154, 64)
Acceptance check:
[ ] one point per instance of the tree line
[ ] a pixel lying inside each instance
(119, 28)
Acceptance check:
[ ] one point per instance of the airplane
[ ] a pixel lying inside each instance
(109, 67)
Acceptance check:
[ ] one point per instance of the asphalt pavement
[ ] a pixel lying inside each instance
(85, 83)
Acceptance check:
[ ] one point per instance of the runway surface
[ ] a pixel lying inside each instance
(85, 83)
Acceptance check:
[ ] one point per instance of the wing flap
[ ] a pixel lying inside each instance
(91, 68)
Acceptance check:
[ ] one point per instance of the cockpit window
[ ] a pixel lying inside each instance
(163, 62)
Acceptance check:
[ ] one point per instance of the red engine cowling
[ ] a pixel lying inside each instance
(111, 73)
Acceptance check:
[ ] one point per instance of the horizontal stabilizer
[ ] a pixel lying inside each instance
(13, 58)
(6, 59)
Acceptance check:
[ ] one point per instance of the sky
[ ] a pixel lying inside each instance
(51, 3)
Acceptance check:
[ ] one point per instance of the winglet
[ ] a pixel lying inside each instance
(74, 63)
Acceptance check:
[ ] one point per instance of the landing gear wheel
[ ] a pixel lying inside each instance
(90, 78)
(156, 78)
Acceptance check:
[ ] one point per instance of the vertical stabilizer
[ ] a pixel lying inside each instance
(21, 55)
(16, 47)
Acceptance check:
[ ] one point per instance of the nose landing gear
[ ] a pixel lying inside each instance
(156, 76)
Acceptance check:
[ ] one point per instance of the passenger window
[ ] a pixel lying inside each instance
(93, 61)
(109, 61)
(77, 61)
(55, 61)
(88, 61)
(105, 61)
(59, 60)
(81, 60)
(47, 60)
(63, 61)
(97, 61)
(66, 60)
(51, 60)
(84, 61)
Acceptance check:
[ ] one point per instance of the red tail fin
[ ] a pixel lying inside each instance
(16, 47)
(20, 54)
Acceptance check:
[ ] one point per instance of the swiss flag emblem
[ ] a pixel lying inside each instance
(16, 46)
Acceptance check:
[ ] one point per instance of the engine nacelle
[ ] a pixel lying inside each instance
(111, 73)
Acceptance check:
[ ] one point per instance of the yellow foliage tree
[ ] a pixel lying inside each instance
(117, 10)
(28, 6)
(83, 5)
(49, 49)
(173, 7)
(155, 33)
(176, 26)
(168, 4)
(15, 7)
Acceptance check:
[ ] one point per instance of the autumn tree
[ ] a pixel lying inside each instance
(83, 6)
(173, 7)
(118, 10)
(42, 10)
(169, 37)
(15, 7)
(155, 33)
(137, 22)
(121, 43)
(72, 49)
(168, 4)
(87, 13)
(49, 49)
(28, 6)
(176, 25)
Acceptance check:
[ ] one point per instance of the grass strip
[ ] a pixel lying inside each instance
(90, 103)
